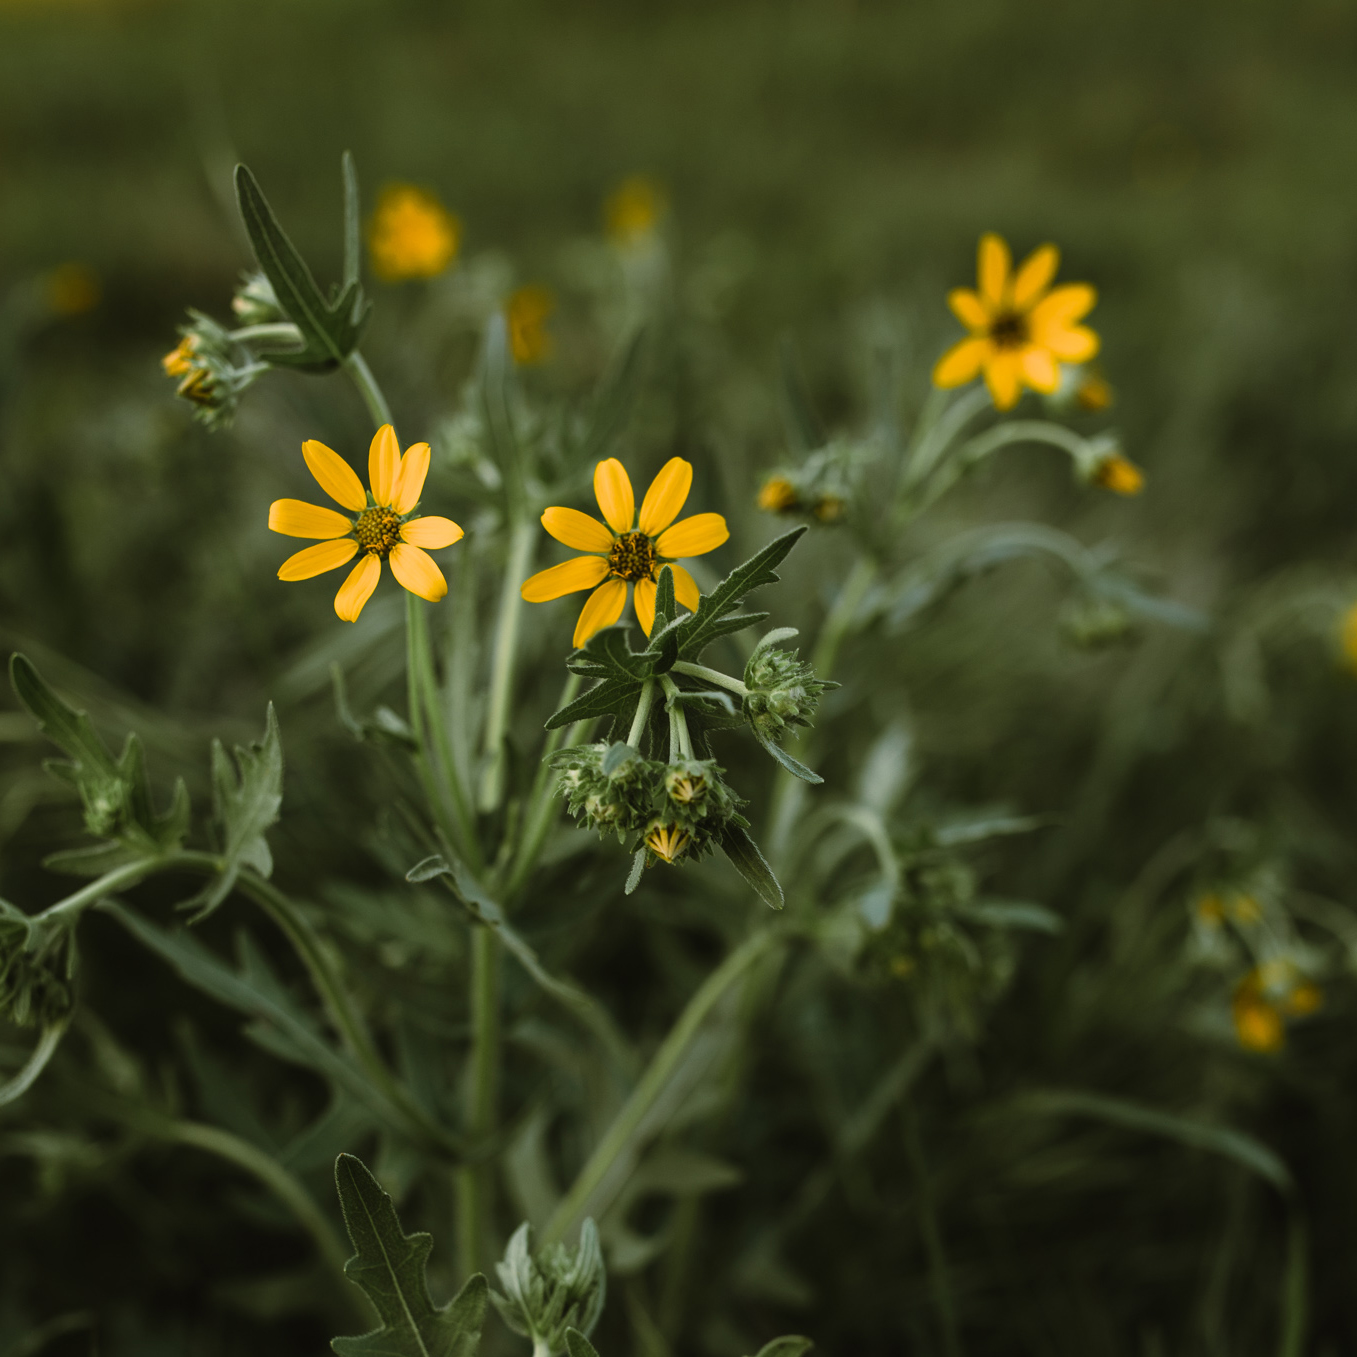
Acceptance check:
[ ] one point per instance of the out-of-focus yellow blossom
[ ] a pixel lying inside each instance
(633, 210)
(1094, 392)
(381, 527)
(72, 289)
(1244, 909)
(412, 235)
(777, 495)
(628, 550)
(1021, 330)
(1210, 910)
(828, 508)
(1119, 474)
(526, 315)
(1347, 637)
(1266, 998)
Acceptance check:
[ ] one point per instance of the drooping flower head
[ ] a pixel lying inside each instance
(380, 525)
(627, 550)
(1021, 328)
(412, 234)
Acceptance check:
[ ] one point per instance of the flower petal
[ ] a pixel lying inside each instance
(601, 609)
(992, 266)
(666, 497)
(580, 572)
(1004, 379)
(582, 531)
(336, 477)
(644, 598)
(1071, 344)
(685, 588)
(1035, 275)
(968, 308)
(1065, 305)
(1039, 369)
(612, 486)
(431, 532)
(357, 589)
(962, 362)
(416, 571)
(693, 536)
(384, 466)
(311, 561)
(410, 483)
(297, 518)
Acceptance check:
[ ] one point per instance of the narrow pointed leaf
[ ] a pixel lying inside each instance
(793, 766)
(746, 858)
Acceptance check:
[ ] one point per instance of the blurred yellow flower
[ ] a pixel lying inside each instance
(1021, 331)
(633, 209)
(1119, 474)
(1210, 910)
(526, 316)
(381, 528)
(778, 495)
(1094, 392)
(412, 235)
(1265, 998)
(1347, 637)
(72, 289)
(627, 550)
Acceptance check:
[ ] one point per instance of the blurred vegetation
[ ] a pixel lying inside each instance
(829, 166)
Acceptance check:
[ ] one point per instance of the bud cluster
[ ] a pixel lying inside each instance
(255, 302)
(213, 370)
(820, 488)
(783, 691)
(552, 1291)
(36, 983)
(675, 809)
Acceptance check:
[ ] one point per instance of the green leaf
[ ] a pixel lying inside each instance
(389, 1266)
(330, 330)
(247, 796)
(1013, 914)
(746, 858)
(665, 605)
(793, 766)
(638, 863)
(612, 697)
(577, 1345)
(608, 654)
(352, 226)
(804, 432)
(792, 1345)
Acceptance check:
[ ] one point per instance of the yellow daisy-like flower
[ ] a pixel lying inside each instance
(1021, 330)
(412, 234)
(667, 842)
(627, 550)
(1265, 998)
(526, 316)
(381, 527)
(1119, 474)
(634, 209)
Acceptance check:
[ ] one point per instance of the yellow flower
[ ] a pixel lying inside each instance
(1094, 392)
(627, 551)
(1347, 637)
(1265, 998)
(1021, 331)
(1244, 909)
(1119, 474)
(778, 495)
(412, 235)
(634, 209)
(181, 360)
(72, 289)
(1210, 910)
(667, 842)
(526, 315)
(381, 528)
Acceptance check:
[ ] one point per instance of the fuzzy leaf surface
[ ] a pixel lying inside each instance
(746, 858)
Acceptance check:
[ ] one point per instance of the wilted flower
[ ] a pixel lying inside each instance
(1021, 331)
(382, 529)
(412, 235)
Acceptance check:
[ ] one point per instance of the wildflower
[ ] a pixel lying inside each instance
(1094, 392)
(381, 528)
(828, 508)
(214, 369)
(1021, 331)
(72, 289)
(778, 496)
(628, 550)
(1210, 910)
(1265, 998)
(667, 842)
(1244, 909)
(526, 315)
(1119, 474)
(412, 234)
(1347, 637)
(255, 302)
(634, 209)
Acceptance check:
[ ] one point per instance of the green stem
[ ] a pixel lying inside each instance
(521, 541)
(680, 743)
(120, 878)
(356, 366)
(712, 676)
(284, 330)
(928, 1225)
(474, 1182)
(638, 724)
(599, 1180)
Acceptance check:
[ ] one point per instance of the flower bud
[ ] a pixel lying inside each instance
(213, 369)
(37, 969)
(783, 691)
(255, 302)
(553, 1290)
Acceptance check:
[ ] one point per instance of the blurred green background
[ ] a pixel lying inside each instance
(1193, 160)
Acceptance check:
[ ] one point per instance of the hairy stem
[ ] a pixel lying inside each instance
(474, 1181)
(638, 724)
(356, 366)
(712, 676)
(521, 540)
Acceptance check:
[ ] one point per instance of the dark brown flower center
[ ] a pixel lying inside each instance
(378, 530)
(632, 557)
(1009, 330)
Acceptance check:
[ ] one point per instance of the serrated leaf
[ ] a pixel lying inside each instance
(794, 766)
(612, 697)
(389, 1266)
(608, 654)
(791, 1345)
(638, 863)
(247, 796)
(577, 1345)
(666, 606)
(746, 858)
(330, 330)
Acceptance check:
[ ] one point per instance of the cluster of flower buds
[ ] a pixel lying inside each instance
(552, 1291)
(213, 369)
(36, 983)
(1094, 621)
(783, 691)
(676, 810)
(818, 489)
(255, 302)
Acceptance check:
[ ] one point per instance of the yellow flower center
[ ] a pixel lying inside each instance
(632, 557)
(1009, 330)
(685, 789)
(378, 530)
(667, 841)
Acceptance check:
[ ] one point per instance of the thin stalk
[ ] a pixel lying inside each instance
(638, 723)
(118, 879)
(712, 676)
(356, 366)
(521, 540)
(592, 1181)
(928, 1226)
(250, 334)
(680, 743)
(474, 1181)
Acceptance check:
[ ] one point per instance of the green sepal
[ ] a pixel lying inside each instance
(745, 857)
(330, 330)
(577, 1345)
(246, 796)
(389, 1266)
(794, 766)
